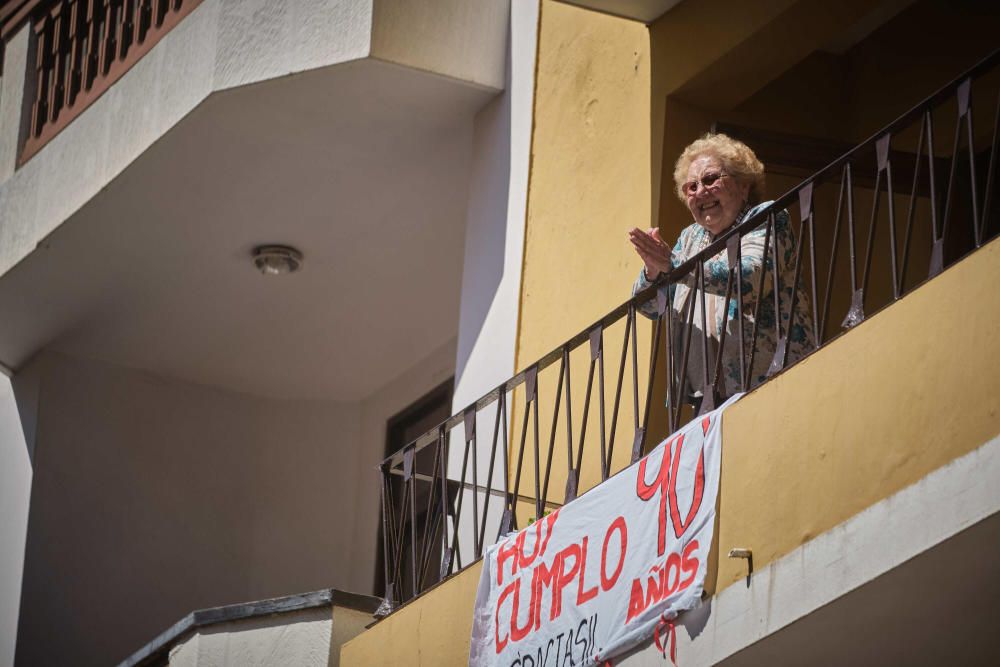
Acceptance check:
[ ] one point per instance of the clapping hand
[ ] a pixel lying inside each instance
(654, 252)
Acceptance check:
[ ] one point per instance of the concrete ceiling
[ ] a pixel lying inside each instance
(363, 167)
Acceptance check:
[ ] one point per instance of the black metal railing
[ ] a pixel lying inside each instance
(450, 493)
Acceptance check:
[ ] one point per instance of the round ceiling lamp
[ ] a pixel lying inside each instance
(275, 260)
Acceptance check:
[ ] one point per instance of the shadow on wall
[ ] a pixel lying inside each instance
(486, 228)
(18, 412)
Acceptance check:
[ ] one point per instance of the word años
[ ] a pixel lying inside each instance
(580, 644)
(664, 580)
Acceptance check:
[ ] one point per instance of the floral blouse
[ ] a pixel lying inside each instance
(800, 339)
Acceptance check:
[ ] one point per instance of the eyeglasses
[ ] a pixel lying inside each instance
(709, 181)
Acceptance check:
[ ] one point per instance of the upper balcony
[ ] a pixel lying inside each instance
(147, 147)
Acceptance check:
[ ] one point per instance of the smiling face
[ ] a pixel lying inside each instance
(715, 205)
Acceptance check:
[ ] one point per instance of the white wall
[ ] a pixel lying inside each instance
(494, 248)
(494, 235)
(300, 638)
(153, 497)
(15, 488)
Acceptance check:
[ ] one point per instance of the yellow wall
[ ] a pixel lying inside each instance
(904, 393)
(435, 629)
(589, 178)
(901, 395)
(589, 184)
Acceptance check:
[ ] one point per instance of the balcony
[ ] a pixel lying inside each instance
(886, 237)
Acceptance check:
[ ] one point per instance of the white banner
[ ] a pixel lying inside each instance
(595, 577)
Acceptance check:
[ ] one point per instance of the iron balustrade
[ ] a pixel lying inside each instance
(81, 47)
(425, 508)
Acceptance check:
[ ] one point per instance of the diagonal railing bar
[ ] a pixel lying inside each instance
(717, 389)
(705, 361)
(663, 293)
(991, 172)
(912, 208)
(507, 519)
(489, 476)
(563, 365)
(433, 524)
(828, 292)
(885, 163)
(618, 392)
(768, 237)
(599, 343)
(783, 347)
(734, 252)
(449, 548)
(571, 482)
(639, 444)
(529, 397)
(769, 263)
(594, 354)
(808, 217)
(470, 443)
(539, 501)
(687, 334)
(782, 332)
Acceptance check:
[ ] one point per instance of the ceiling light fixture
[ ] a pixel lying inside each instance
(273, 260)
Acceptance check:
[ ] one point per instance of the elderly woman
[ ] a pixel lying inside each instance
(721, 182)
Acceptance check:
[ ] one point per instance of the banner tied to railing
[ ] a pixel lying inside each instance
(609, 570)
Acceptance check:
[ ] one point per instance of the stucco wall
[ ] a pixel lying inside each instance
(15, 488)
(904, 393)
(589, 184)
(296, 638)
(434, 629)
(463, 39)
(589, 176)
(154, 497)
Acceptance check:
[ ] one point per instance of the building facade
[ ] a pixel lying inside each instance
(180, 431)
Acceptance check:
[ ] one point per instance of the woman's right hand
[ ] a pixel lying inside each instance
(655, 254)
